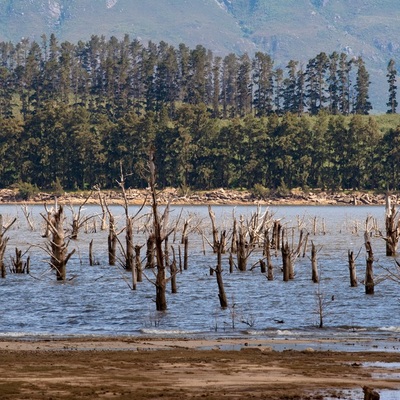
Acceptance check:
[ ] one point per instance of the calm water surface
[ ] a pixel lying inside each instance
(97, 300)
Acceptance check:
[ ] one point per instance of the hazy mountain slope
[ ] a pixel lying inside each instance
(287, 29)
(174, 21)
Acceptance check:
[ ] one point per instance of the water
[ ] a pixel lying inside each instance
(97, 300)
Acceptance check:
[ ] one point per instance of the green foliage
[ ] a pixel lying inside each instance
(282, 190)
(57, 188)
(260, 191)
(84, 110)
(27, 190)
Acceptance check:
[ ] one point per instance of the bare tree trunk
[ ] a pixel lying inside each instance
(173, 272)
(161, 300)
(58, 246)
(276, 235)
(91, 262)
(218, 271)
(267, 251)
(392, 228)
(129, 262)
(352, 269)
(3, 244)
(19, 266)
(234, 238)
(241, 249)
(370, 394)
(186, 254)
(286, 261)
(369, 274)
(103, 225)
(214, 229)
(138, 263)
(231, 263)
(263, 266)
(314, 266)
(150, 252)
(112, 241)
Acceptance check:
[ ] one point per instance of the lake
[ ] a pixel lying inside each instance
(97, 300)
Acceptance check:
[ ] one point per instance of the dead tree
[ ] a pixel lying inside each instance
(28, 217)
(314, 266)
(58, 247)
(186, 253)
(369, 274)
(160, 234)
(18, 264)
(129, 249)
(3, 244)
(276, 235)
(267, 254)
(214, 229)
(112, 240)
(234, 237)
(102, 203)
(79, 220)
(370, 394)
(286, 261)
(392, 223)
(352, 269)
(173, 271)
(138, 263)
(218, 272)
(49, 211)
(150, 250)
(161, 300)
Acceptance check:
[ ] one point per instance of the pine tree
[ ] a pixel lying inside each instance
(362, 104)
(263, 84)
(391, 75)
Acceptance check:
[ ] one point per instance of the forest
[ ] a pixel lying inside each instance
(72, 114)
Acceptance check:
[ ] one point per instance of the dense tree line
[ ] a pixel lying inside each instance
(117, 74)
(72, 114)
(77, 148)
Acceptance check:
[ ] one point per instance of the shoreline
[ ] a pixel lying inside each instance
(153, 343)
(149, 368)
(198, 198)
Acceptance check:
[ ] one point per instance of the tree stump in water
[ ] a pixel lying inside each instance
(369, 274)
(352, 269)
(370, 394)
(392, 223)
(314, 265)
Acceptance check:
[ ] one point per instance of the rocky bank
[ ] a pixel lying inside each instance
(213, 197)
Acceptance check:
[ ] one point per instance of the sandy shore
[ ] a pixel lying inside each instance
(148, 368)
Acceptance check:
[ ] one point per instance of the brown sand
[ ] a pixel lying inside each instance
(137, 368)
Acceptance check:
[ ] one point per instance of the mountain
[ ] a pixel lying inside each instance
(286, 29)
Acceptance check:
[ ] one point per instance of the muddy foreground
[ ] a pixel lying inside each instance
(129, 368)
